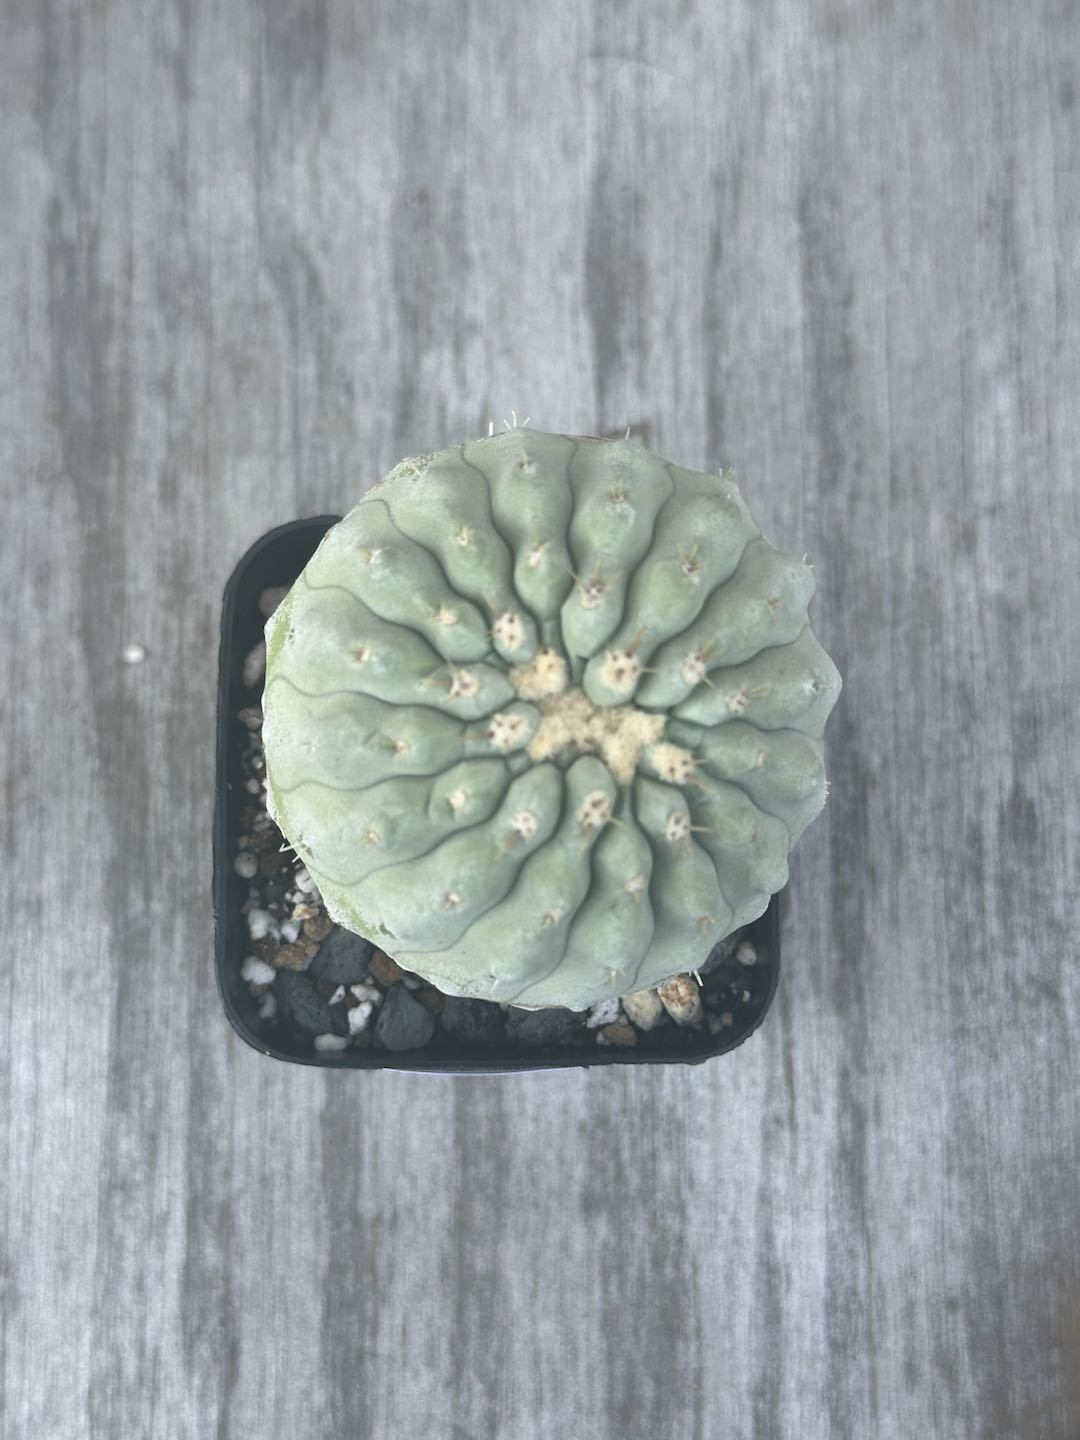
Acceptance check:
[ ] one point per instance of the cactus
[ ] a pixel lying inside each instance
(544, 716)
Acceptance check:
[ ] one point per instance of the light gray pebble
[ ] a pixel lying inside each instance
(643, 1008)
(257, 972)
(246, 864)
(604, 1012)
(330, 1042)
(255, 665)
(260, 924)
(359, 1016)
(681, 998)
(367, 993)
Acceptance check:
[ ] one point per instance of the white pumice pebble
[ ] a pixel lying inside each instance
(330, 1042)
(411, 982)
(371, 993)
(338, 996)
(268, 1007)
(251, 716)
(133, 654)
(643, 1008)
(257, 972)
(255, 665)
(271, 598)
(304, 881)
(252, 787)
(746, 954)
(290, 931)
(681, 998)
(359, 1016)
(604, 1012)
(246, 864)
(260, 923)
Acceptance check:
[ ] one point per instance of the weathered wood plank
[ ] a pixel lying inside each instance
(249, 257)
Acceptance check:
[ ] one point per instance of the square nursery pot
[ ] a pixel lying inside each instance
(302, 1015)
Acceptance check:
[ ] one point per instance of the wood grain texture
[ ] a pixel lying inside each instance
(250, 256)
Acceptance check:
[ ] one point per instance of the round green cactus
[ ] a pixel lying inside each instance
(544, 715)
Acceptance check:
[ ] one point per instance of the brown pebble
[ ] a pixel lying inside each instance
(385, 970)
(311, 948)
(271, 863)
(325, 988)
(430, 998)
(304, 912)
(620, 1033)
(290, 957)
(266, 948)
(318, 928)
(268, 839)
(362, 1041)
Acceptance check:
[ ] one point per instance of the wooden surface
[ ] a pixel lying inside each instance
(251, 255)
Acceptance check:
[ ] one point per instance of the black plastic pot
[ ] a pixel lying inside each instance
(277, 559)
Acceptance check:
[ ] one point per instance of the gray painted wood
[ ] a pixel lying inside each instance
(251, 255)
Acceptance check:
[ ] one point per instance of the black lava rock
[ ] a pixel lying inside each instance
(472, 1022)
(404, 1024)
(343, 957)
(301, 1002)
(545, 1027)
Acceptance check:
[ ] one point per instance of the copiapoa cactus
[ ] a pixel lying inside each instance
(544, 715)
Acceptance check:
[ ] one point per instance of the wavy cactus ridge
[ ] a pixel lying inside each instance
(544, 717)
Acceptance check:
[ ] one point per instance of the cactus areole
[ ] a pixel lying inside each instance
(544, 715)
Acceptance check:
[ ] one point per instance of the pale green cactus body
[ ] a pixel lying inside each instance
(544, 717)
